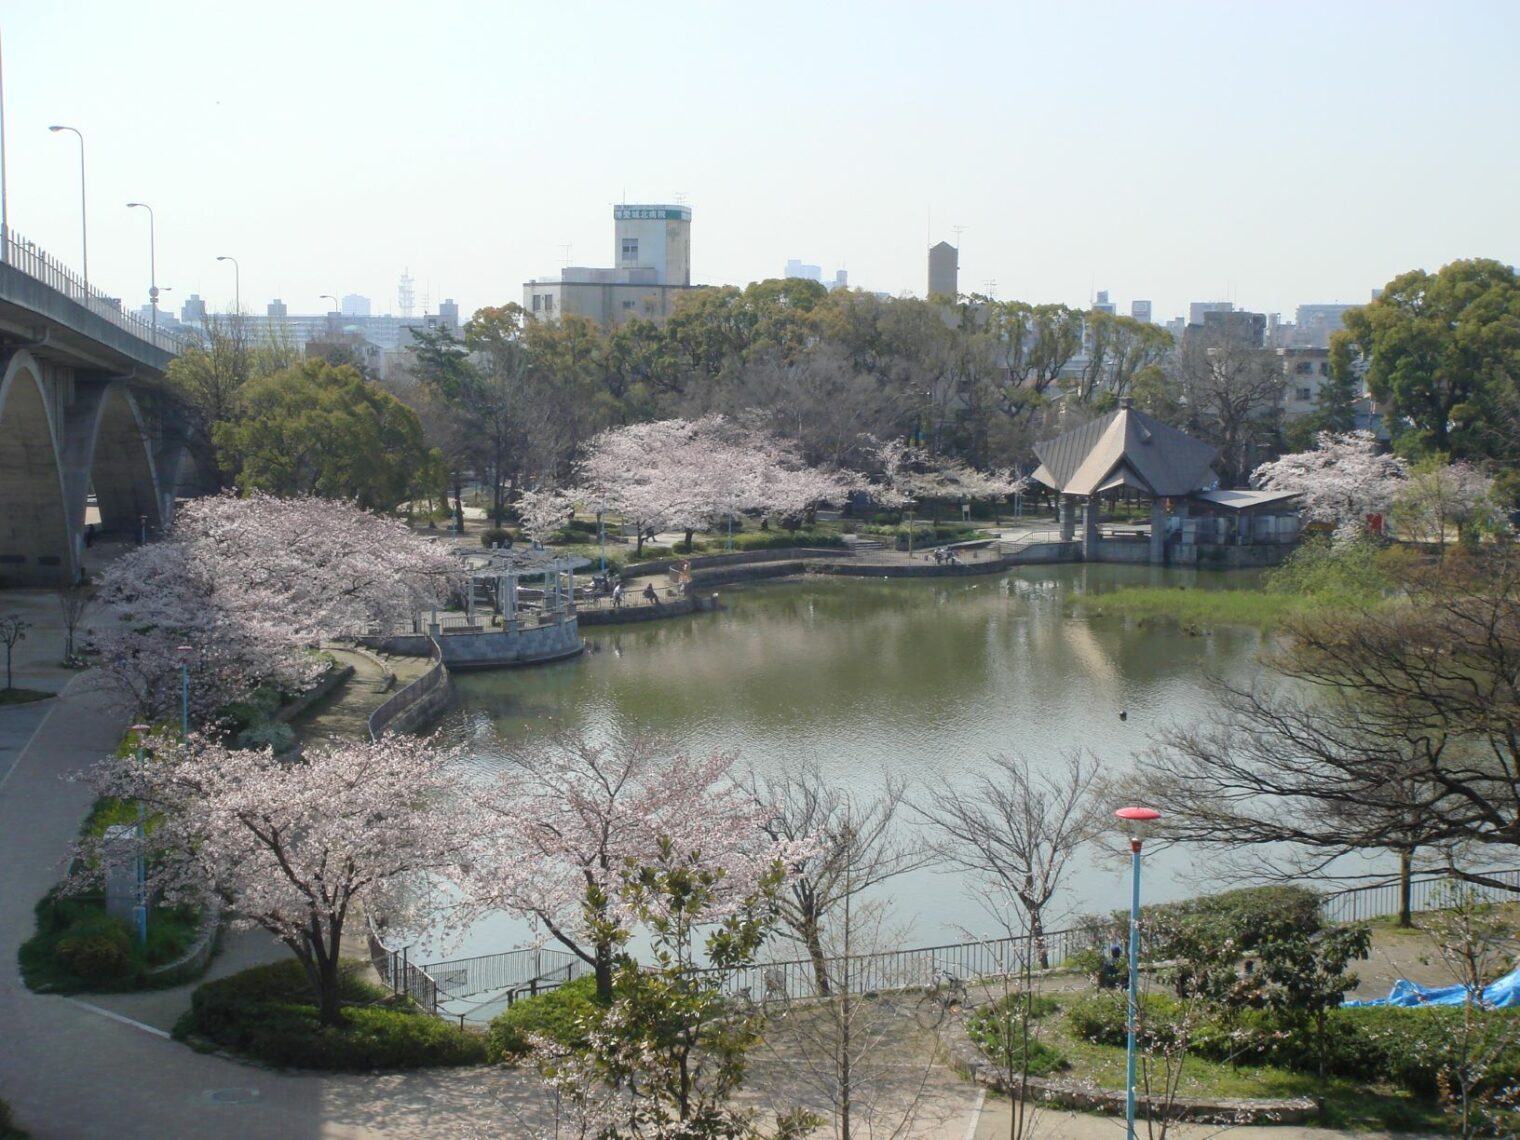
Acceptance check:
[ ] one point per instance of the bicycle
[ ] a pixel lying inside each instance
(944, 996)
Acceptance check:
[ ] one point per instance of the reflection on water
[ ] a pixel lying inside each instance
(923, 679)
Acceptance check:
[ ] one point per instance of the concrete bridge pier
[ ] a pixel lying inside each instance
(64, 432)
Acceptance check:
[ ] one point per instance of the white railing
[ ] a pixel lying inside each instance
(31, 259)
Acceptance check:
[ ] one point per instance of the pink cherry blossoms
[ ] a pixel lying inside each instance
(1342, 481)
(568, 817)
(246, 584)
(292, 847)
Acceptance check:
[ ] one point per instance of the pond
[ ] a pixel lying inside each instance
(921, 678)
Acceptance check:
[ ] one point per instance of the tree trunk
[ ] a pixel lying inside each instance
(603, 968)
(689, 533)
(329, 1003)
(1406, 888)
(814, 943)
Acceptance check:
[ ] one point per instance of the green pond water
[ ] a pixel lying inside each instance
(922, 678)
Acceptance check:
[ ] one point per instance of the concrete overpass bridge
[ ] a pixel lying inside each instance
(76, 419)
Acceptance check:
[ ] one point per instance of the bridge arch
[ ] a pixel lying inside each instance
(122, 471)
(36, 544)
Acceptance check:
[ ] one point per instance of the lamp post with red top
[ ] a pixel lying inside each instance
(1137, 822)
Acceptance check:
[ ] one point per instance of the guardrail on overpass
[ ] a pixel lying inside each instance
(31, 259)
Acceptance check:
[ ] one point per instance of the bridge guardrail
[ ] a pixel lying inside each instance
(31, 259)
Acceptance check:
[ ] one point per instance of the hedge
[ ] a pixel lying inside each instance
(270, 1014)
(1407, 1047)
(565, 1015)
(78, 947)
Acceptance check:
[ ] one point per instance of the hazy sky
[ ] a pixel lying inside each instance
(1268, 153)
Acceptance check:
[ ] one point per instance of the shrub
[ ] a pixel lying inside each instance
(8, 1129)
(492, 535)
(565, 1015)
(778, 540)
(269, 1013)
(268, 734)
(1248, 917)
(998, 1030)
(96, 949)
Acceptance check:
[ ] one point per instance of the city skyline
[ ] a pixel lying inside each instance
(1174, 153)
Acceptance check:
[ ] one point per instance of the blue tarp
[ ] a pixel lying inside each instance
(1503, 993)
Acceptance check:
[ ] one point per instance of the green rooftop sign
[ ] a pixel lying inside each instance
(651, 214)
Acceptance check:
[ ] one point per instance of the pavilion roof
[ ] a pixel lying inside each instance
(1125, 448)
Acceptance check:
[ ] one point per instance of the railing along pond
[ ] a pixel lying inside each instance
(1426, 892)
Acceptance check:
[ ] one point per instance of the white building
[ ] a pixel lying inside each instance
(652, 267)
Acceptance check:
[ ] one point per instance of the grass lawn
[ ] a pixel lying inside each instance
(1195, 607)
(1346, 1103)
(23, 696)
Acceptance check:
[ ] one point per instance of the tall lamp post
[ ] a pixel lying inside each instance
(184, 652)
(152, 258)
(140, 911)
(337, 309)
(237, 284)
(1137, 822)
(84, 222)
(601, 531)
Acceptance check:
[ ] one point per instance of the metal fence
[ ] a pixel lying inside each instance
(511, 975)
(31, 259)
(902, 969)
(403, 699)
(1426, 892)
(401, 975)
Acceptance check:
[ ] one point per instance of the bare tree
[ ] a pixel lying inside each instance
(1399, 731)
(12, 630)
(1017, 828)
(73, 602)
(1233, 393)
(855, 845)
(851, 1053)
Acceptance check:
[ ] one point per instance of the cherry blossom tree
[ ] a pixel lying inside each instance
(567, 816)
(1342, 481)
(910, 474)
(542, 512)
(246, 584)
(692, 474)
(1438, 495)
(293, 847)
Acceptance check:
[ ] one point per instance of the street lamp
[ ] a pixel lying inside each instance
(237, 284)
(84, 223)
(601, 531)
(140, 911)
(184, 652)
(337, 309)
(1136, 822)
(152, 258)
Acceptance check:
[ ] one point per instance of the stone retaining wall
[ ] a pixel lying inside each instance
(492, 648)
(330, 681)
(190, 964)
(411, 707)
(737, 558)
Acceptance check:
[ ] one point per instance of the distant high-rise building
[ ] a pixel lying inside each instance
(795, 268)
(355, 305)
(1197, 310)
(1177, 327)
(193, 311)
(1320, 321)
(1243, 328)
(841, 279)
(1141, 311)
(448, 314)
(944, 270)
(276, 310)
(1103, 304)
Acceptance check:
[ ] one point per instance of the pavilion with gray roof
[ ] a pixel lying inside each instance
(1129, 452)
